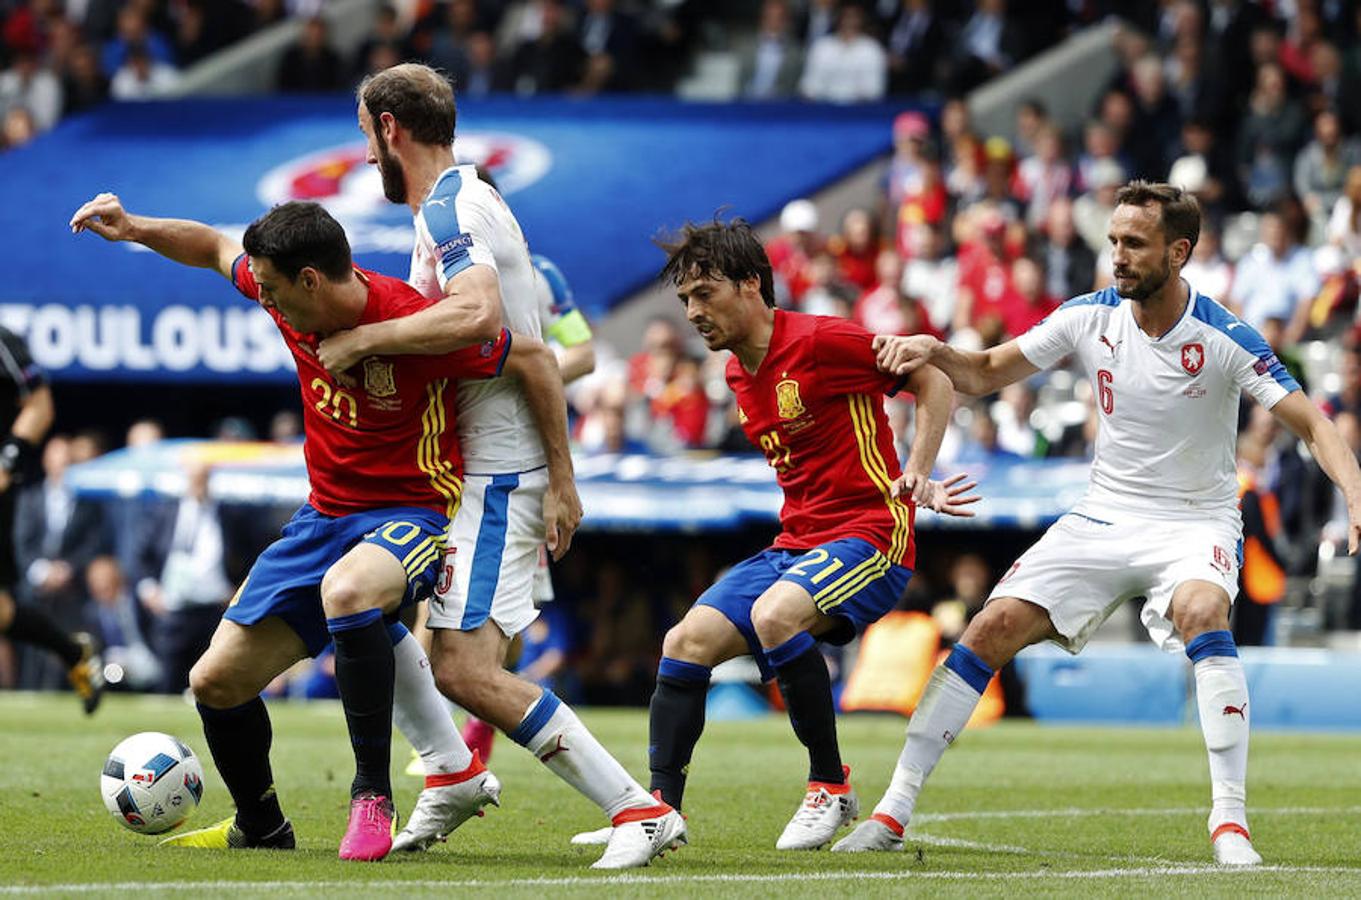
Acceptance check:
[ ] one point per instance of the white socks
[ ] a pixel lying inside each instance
(1222, 698)
(553, 733)
(421, 713)
(945, 707)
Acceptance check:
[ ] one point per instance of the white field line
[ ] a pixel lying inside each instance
(1072, 812)
(631, 879)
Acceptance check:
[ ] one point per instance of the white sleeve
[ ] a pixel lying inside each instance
(460, 230)
(1054, 337)
(1255, 367)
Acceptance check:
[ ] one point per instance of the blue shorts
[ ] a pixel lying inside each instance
(848, 579)
(286, 579)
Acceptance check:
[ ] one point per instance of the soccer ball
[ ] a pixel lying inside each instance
(151, 782)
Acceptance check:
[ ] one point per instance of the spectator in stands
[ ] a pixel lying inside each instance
(117, 621)
(1321, 167)
(17, 128)
(964, 179)
(773, 62)
(1092, 210)
(820, 20)
(84, 84)
(1013, 413)
(1304, 31)
(1187, 83)
(1344, 225)
(1031, 118)
(28, 83)
(553, 60)
(929, 205)
(916, 39)
(311, 64)
(1100, 146)
(1026, 302)
(134, 31)
(1208, 271)
(484, 74)
(828, 293)
(1268, 136)
(193, 41)
(911, 135)
(982, 447)
(56, 536)
(1275, 276)
(1154, 133)
(1069, 264)
(649, 370)
(141, 76)
(999, 179)
(847, 66)
(984, 278)
(544, 648)
(610, 39)
(1045, 176)
(792, 252)
(387, 31)
(1336, 88)
(856, 249)
(970, 582)
(931, 274)
(1205, 167)
(680, 413)
(988, 44)
(886, 308)
(285, 427)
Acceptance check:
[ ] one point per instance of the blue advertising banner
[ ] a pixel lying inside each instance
(591, 181)
(619, 492)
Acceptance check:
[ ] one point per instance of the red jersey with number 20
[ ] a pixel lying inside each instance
(382, 433)
(815, 408)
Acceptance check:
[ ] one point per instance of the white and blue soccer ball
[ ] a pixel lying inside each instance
(151, 782)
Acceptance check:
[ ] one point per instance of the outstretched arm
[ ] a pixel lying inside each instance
(935, 399)
(469, 313)
(537, 369)
(974, 372)
(184, 241)
(1303, 418)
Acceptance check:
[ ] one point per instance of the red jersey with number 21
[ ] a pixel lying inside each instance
(815, 408)
(381, 434)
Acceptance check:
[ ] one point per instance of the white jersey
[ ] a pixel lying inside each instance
(462, 223)
(1168, 406)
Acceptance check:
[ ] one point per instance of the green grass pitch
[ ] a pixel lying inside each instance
(1015, 809)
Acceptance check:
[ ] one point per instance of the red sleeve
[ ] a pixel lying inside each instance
(243, 280)
(478, 361)
(845, 363)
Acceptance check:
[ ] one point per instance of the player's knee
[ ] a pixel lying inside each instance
(212, 688)
(686, 644)
(342, 594)
(993, 634)
(1200, 612)
(773, 624)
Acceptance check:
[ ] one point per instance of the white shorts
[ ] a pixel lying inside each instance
(1083, 569)
(543, 580)
(493, 552)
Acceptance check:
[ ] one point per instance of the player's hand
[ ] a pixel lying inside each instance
(1353, 531)
(341, 350)
(948, 497)
(105, 216)
(561, 515)
(903, 354)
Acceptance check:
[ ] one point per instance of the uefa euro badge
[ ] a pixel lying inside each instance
(378, 380)
(787, 399)
(1192, 358)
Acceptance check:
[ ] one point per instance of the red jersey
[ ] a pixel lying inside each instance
(815, 408)
(381, 434)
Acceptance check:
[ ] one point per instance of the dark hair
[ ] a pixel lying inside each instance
(298, 235)
(420, 98)
(728, 250)
(1180, 211)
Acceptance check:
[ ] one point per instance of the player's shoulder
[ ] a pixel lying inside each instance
(452, 194)
(1220, 325)
(1100, 302)
(391, 297)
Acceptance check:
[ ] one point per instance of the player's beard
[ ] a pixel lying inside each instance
(390, 170)
(1151, 283)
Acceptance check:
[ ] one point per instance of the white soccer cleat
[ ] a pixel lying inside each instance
(442, 807)
(1233, 846)
(825, 808)
(598, 838)
(633, 844)
(878, 832)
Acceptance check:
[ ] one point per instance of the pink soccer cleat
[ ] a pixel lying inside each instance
(479, 735)
(373, 821)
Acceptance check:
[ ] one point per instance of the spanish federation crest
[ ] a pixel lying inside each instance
(378, 379)
(787, 399)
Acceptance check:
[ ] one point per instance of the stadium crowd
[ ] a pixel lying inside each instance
(1253, 106)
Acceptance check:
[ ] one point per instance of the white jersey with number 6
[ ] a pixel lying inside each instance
(464, 222)
(1168, 405)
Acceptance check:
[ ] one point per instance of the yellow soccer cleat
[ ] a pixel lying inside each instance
(227, 835)
(87, 675)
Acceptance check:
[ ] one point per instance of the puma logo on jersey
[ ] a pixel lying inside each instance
(1107, 341)
(1240, 711)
